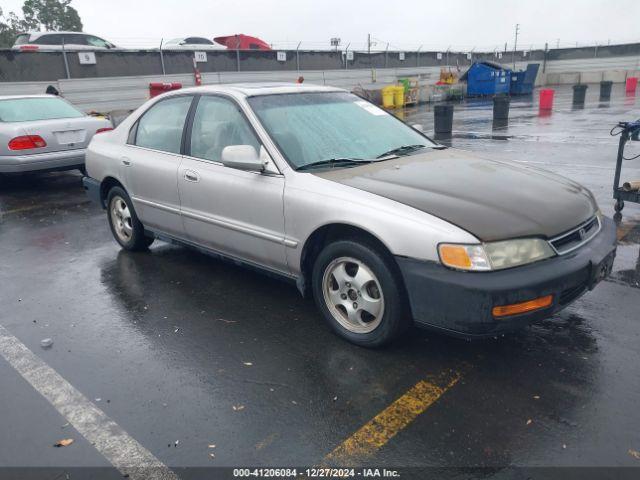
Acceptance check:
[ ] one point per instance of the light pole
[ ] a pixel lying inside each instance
(515, 45)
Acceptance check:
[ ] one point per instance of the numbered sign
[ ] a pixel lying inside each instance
(468, 56)
(87, 58)
(200, 57)
(350, 55)
(281, 56)
(439, 55)
(401, 56)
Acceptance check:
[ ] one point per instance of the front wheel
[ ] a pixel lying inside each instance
(619, 205)
(124, 223)
(359, 292)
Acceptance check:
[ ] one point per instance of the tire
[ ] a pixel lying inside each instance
(347, 272)
(123, 221)
(619, 205)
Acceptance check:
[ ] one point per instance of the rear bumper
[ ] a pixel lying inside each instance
(42, 161)
(460, 303)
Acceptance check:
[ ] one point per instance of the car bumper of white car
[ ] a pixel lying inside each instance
(65, 159)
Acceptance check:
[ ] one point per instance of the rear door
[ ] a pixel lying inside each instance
(150, 164)
(235, 212)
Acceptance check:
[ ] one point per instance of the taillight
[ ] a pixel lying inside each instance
(105, 129)
(27, 142)
(29, 48)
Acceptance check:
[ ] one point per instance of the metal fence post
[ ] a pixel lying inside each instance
(418, 56)
(64, 57)
(386, 56)
(238, 52)
(162, 58)
(544, 58)
(298, 57)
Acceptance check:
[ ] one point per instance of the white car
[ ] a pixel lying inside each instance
(34, 41)
(191, 43)
(44, 132)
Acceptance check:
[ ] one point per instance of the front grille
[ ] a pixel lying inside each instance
(576, 237)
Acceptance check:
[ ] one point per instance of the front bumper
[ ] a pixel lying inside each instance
(461, 302)
(92, 188)
(42, 161)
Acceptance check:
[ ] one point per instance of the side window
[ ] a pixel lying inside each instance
(53, 39)
(75, 39)
(219, 123)
(161, 126)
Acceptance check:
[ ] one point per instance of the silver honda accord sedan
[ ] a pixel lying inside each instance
(382, 226)
(44, 132)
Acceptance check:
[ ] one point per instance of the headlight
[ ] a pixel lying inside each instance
(495, 255)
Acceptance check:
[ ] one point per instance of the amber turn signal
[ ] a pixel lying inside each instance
(455, 256)
(524, 307)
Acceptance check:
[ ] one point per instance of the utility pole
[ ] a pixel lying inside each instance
(515, 45)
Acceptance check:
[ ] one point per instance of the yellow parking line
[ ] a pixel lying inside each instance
(388, 423)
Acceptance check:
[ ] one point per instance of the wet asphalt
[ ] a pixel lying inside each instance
(176, 346)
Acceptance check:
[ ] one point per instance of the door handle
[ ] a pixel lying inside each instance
(191, 176)
(126, 161)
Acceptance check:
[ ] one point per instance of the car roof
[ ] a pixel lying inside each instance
(40, 34)
(261, 88)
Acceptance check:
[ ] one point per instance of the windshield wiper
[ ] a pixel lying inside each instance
(334, 162)
(403, 150)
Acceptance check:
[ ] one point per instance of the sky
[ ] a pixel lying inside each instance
(404, 25)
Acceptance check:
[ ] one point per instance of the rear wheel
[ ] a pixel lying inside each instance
(124, 223)
(359, 292)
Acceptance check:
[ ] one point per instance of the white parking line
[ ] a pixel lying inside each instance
(124, 453)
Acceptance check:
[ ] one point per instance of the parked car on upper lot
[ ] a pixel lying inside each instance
(378, 222)
(34, 41)
(191, 43)
(44, 132)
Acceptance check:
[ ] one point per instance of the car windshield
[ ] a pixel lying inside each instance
(29, 109)
(315, 127)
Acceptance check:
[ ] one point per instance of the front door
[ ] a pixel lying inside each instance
(235, 212)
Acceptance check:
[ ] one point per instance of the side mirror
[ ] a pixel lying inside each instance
(242, 157)
(418, 127)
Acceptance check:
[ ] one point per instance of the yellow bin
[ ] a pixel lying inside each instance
(387, 96)
(398, 96)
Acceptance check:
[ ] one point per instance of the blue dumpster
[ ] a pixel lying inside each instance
(487, 78)
(522, 82)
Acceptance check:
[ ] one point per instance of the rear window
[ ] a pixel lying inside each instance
(22, 39)
(29, 109)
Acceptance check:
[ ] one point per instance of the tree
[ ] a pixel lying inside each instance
(39, 15)
(10, 26)
(51, 15)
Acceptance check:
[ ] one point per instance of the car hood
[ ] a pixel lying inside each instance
(493, 200)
